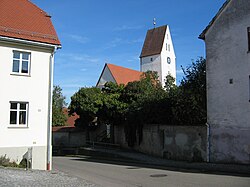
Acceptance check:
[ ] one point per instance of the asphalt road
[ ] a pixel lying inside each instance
(115, 173)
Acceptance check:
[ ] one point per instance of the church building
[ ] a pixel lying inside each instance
(157, 55)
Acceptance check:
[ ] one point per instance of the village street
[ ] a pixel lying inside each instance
(115, 173)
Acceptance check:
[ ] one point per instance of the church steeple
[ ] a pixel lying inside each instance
(158, 53)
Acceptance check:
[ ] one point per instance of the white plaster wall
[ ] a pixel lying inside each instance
(168, 68)
(105, 77)
(228, 105)
(148, 65)
(32, 89)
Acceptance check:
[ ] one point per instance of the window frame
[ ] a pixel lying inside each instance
(18, 111)
(20, 63)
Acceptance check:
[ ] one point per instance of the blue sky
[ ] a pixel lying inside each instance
(93, 32)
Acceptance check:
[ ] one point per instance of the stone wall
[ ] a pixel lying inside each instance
(171, 142)
(68, 139)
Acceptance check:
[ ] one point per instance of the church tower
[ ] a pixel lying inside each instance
(158, 53)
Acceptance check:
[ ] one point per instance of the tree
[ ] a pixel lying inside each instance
(58, 102)
(189, 100)
(86, 103)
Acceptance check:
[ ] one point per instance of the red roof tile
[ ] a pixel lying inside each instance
(70, 119)
(23, 20)
(123, 75)
(154, 41)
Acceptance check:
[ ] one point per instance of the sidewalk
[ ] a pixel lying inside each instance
(21, 177)
(150, 160)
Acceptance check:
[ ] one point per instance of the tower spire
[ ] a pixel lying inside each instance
(154, 22)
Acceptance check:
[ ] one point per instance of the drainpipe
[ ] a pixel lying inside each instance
(49, 133)
(208, 142)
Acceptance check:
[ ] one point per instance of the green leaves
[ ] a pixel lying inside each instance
(58, 102)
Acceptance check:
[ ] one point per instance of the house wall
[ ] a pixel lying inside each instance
(15, 141)
(228, 105)
(170, 142)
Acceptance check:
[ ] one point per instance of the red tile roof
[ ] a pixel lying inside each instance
(123, 75)
(70, 123)
(154, 41)
(70, 119)
(22, 19)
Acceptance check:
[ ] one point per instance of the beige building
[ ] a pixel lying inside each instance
(227, 39)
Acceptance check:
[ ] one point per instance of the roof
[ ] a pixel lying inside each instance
(70, 119)
(202, 35)
(124, 75)
(21, 19)
(121, 74)
(70, 123)
(154, 41)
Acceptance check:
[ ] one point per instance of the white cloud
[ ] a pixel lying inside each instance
(78, 38)
(126, 27)
(179, 72)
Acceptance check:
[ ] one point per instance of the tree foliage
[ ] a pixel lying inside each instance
(86, 103)
(145, 102)
(58, 102)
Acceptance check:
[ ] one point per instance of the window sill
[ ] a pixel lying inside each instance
(17, 127)
(19, 74)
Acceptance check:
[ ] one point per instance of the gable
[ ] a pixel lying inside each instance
(154, 41)
(21, 19)
(105, 76)
(202, 35)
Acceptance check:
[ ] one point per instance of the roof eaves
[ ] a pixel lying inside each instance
(202, 35)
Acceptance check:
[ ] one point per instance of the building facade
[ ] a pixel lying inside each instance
(227, 40)
(27, 56)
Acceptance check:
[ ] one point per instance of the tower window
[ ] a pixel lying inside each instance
(168, 47)
(151, 59)
(248, 35)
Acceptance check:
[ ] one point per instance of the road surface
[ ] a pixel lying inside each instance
(116, 173)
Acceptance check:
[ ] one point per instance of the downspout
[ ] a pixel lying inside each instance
(208, 142)
(50, 94)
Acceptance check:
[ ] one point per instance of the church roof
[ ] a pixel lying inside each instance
(202, 35)
(121, 74)
(154, 41)
(21, 19)
(124, 75)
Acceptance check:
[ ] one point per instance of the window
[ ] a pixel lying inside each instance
(21, 62)
(168, 47)
(151, 59)
(18, 113)
(248, 35)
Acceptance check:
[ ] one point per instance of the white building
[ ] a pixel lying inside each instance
(227, 39)
(158, 53)
(28, 43)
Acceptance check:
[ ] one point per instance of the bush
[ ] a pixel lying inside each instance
(4, 161)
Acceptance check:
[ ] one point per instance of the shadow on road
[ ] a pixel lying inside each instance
(133, 164)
